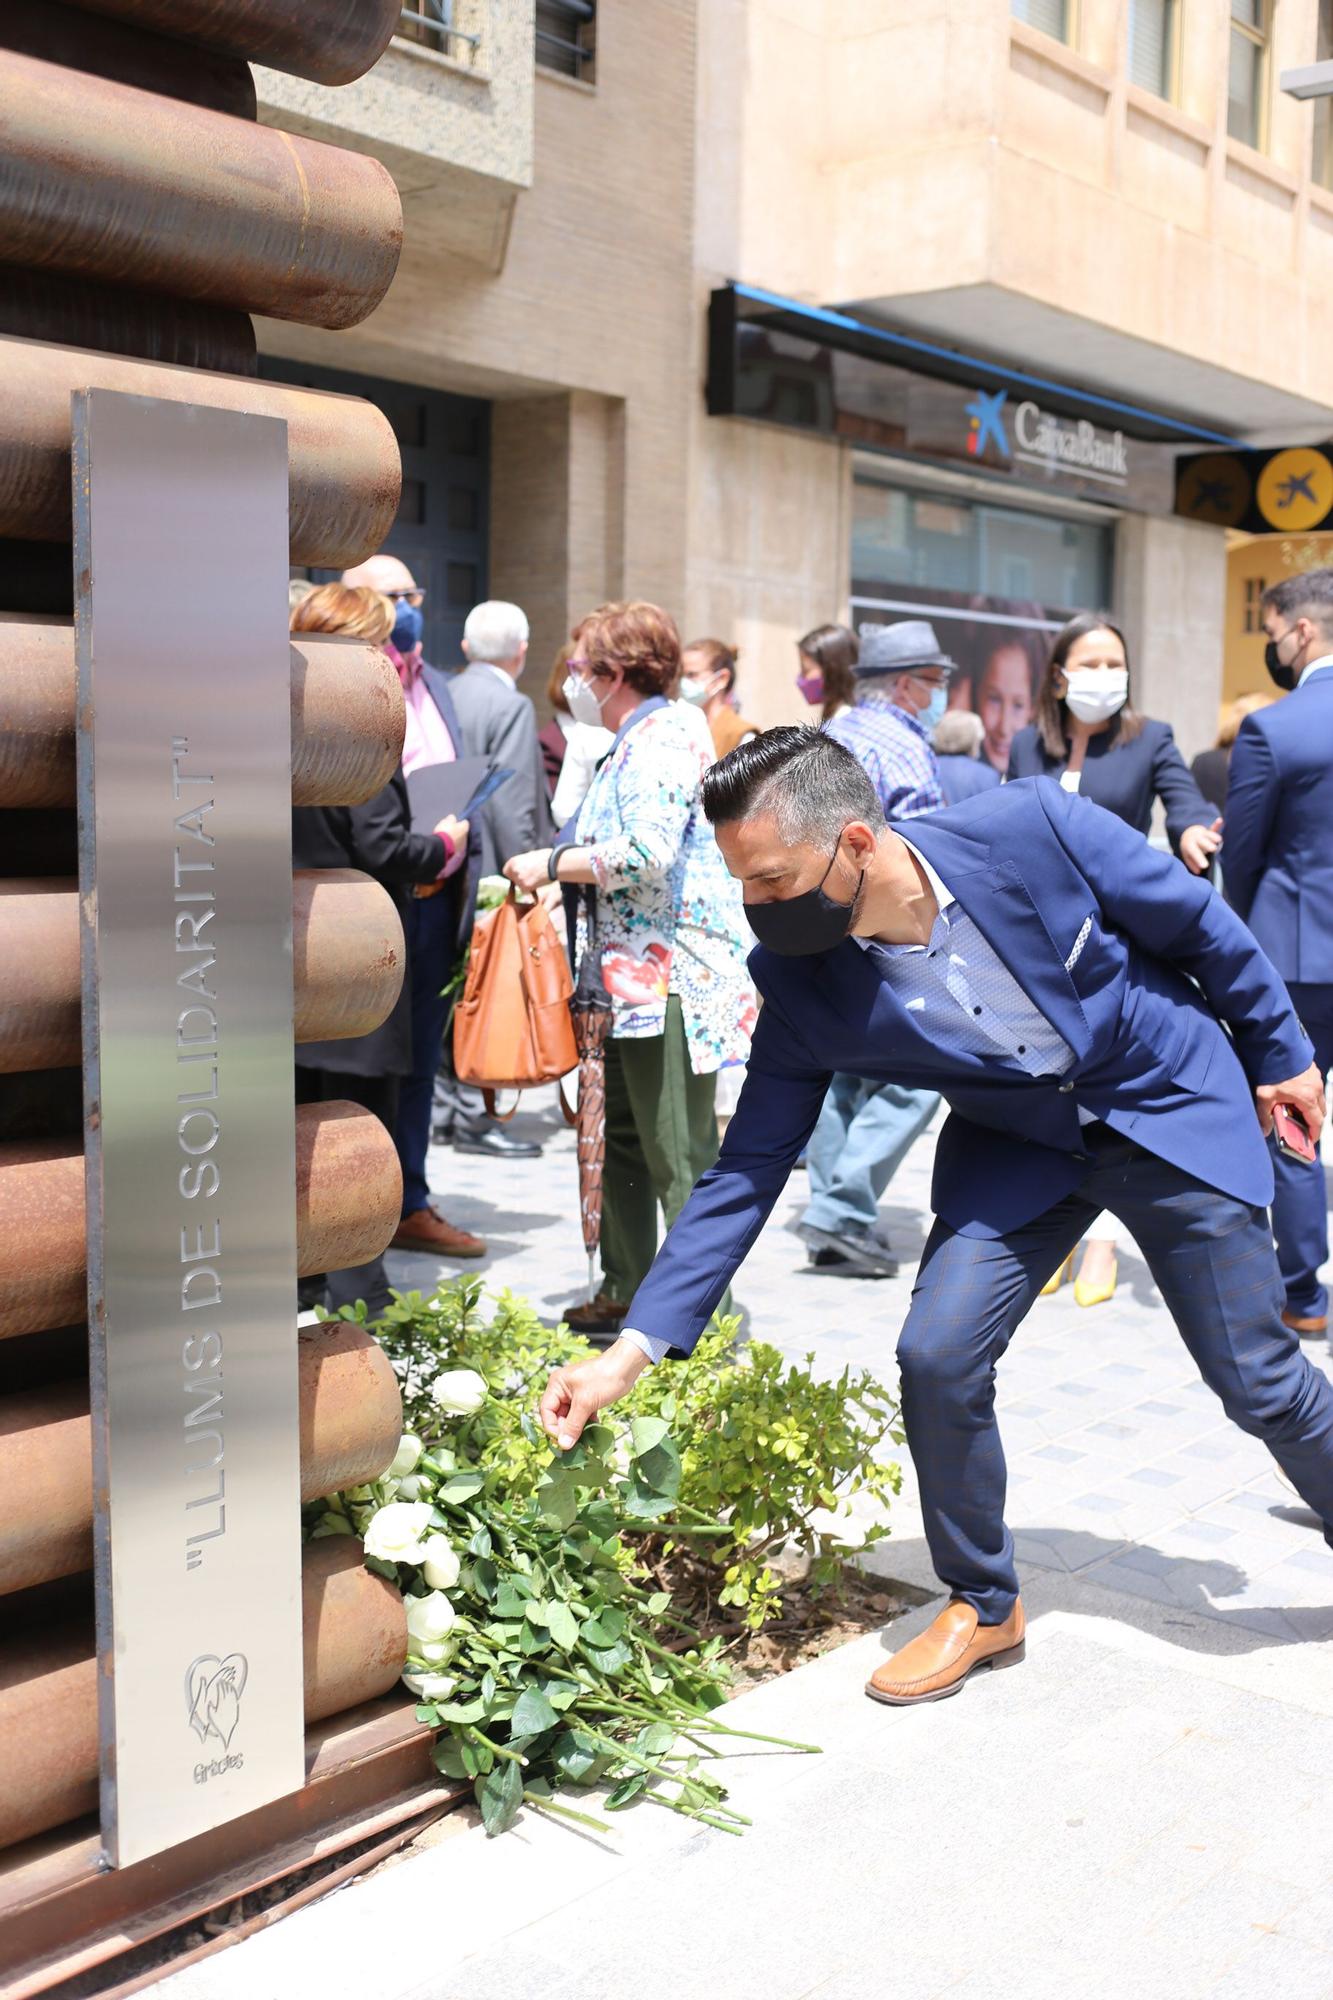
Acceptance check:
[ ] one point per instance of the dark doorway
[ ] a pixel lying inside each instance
(441, 529)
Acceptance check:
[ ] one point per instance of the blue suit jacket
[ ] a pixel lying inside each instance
(1277, 860)
(470, 874)
(1135, 963)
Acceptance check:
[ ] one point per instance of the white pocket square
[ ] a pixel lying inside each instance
(1079, 943)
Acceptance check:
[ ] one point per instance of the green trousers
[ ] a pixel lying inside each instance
(661, 1134)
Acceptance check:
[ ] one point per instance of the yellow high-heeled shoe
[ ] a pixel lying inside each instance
(1096, 1295)
(1054, 1282)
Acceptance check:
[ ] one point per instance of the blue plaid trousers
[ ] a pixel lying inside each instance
(1214, 1263)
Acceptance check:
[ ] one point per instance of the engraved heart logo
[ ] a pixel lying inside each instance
(213, 1690)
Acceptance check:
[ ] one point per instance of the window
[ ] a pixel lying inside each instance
(1152, 45)
(431, 22)
(567, 38)
(1051, 16)
(1321, 166)
(1247, 72)
(1255, 586)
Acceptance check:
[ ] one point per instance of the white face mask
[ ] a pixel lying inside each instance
(699, 693)
(583, 703)
(1095, 694)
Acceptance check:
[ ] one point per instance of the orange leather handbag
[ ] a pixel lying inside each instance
(512, 1027)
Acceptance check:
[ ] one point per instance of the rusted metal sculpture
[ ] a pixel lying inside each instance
(118, 185)
(347, 717)
(334, 41)
(351, 1418)
(355, 1642)
(345, 471)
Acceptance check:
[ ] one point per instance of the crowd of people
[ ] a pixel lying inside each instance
(601, 815)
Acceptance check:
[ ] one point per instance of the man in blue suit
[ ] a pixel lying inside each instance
(1278, 872)
(1066, 988)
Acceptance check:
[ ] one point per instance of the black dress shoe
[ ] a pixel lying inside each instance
(495, 1141)
(863, 1254)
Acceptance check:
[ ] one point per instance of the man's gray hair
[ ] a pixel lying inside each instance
(495, 632)
(812, 786)
(958, 733)
(1309, 595)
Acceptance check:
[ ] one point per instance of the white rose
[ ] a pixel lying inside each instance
(409, 1452)
(431, 1687)
(459, 1392)
(436, 1651)
(395, 1533)
(412, 1487)
(439, 1562)
(430, 1618)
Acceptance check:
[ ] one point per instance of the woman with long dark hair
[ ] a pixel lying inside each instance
(1089, 736)
(826, 657)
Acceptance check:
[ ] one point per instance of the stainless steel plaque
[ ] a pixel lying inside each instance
(185, 855)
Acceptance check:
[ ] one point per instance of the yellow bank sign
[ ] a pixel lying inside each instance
(1264, 492)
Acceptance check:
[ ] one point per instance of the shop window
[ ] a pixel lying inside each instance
(1255, 586)
(1053, 17)
(1321, 166)
(1152, 45)
(1247, 72)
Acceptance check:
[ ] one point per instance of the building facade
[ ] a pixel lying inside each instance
(783, 311)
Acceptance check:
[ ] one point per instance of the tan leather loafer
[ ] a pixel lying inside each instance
(426, 1229)
(940, 1659)
(1308, 1327)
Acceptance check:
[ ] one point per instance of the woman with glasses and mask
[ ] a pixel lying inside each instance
(1088, 735)
(670, 936)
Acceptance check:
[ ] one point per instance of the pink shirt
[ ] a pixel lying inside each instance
(427, 739)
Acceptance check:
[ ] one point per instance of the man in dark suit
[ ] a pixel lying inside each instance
(1070, 992)
(500, 724)
(1277, 867)
(436, 925)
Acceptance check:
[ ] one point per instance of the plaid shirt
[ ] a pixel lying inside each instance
(896, 753)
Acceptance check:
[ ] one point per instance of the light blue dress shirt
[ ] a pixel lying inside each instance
(962, 997)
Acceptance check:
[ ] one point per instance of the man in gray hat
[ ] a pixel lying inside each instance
(867, 1126)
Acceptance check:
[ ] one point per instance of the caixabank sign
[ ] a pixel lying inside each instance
(1025, 433)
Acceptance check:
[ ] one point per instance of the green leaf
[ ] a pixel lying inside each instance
(646, 1432)
(563, 1626)
(656, 1740)
(488, 1687)
(561, 1693)
(510, 1602)
(627, 1790)
(462, 1712)
(426, 1711)
(558, 1500)
(659, 1468)
(576, 1755)
(500, 1794)
(447, 1756)
(533, 1713)
(605, 1629)
(611, 1659)
(461, 1486)
(480, 1545)
(532, 1639)
(659, 1602)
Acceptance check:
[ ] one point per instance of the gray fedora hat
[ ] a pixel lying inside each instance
(896, 649)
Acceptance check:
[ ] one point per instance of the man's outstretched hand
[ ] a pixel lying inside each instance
(574, 1395)
(1303, 1093)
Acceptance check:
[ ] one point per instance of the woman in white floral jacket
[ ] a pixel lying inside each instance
(671, 935)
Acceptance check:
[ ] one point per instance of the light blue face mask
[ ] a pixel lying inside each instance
(933, 712)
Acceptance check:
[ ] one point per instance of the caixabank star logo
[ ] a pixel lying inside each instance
(985, 424)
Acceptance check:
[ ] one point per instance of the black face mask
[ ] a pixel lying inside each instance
(798, 926)
(1283, 677)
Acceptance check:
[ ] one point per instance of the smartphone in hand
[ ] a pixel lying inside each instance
(1293, 1138)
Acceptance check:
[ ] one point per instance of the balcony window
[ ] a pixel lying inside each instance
(1053, 17)
(1152, 45)
(567, 38)
(432, 24)
(1247, 73)
(1322, 163)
